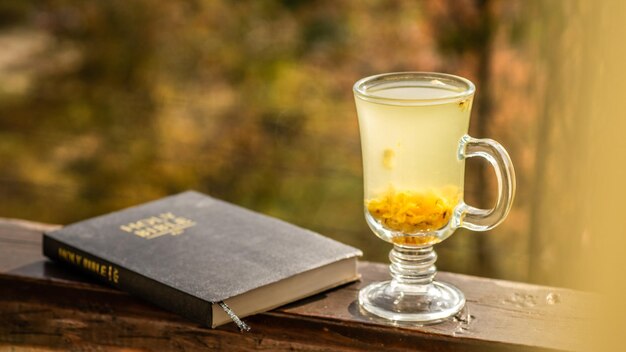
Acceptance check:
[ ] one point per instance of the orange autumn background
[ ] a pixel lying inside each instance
(105, 105)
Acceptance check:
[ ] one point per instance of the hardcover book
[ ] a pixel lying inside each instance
(204, 258)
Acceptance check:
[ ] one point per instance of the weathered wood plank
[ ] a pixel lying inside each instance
(45, 305)
(20, 242)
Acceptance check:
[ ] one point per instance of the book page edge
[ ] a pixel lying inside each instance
(341, 272)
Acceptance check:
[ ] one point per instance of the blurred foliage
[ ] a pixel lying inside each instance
(108, 104)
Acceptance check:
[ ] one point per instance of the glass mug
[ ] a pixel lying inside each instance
(414, 141)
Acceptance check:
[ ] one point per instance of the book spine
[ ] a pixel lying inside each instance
(129, 281)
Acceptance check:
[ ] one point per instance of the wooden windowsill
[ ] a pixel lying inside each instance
(43, 306)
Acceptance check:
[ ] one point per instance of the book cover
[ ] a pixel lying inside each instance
(203, 258)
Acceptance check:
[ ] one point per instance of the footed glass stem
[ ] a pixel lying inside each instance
(412, 295)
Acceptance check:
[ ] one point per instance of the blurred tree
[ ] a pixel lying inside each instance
(108, 104)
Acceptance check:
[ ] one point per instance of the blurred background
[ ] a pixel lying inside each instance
(109, 104)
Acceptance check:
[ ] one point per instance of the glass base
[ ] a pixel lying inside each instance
(424, 304)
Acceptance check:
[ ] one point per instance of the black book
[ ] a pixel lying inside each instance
(204, 258)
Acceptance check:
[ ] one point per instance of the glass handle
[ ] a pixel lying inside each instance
(477, 219)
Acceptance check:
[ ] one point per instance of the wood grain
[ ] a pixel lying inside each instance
(46, 306)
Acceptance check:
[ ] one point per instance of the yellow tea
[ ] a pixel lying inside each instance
(413, 174)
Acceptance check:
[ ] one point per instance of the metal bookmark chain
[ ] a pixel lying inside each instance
(242, 326)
